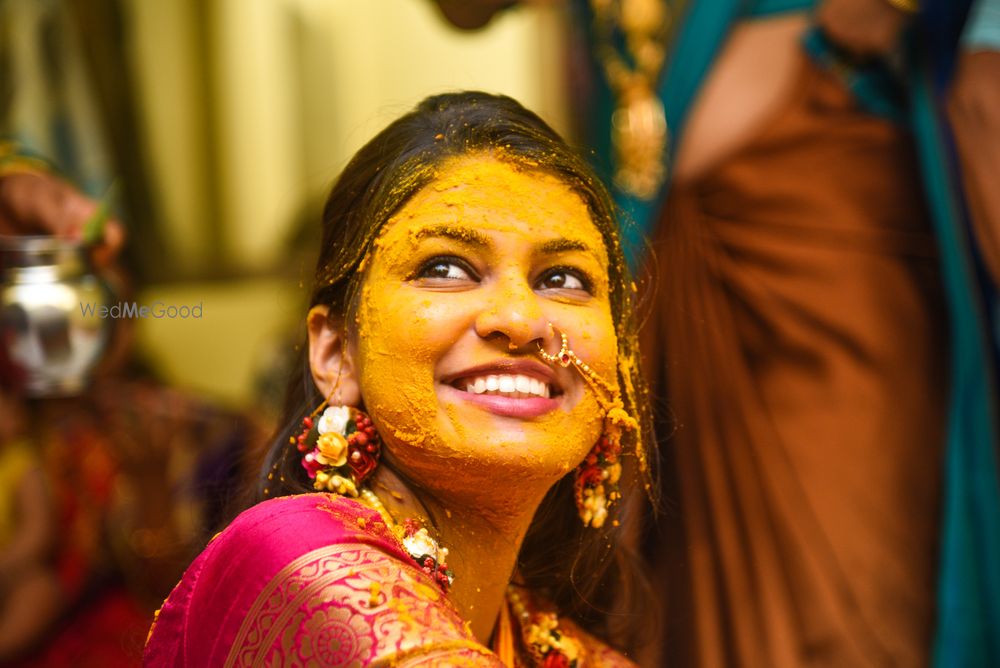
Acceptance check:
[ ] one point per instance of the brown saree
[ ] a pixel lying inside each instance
(798, 338)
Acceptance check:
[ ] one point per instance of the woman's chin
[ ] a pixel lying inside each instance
(535, 437)
(470, 446)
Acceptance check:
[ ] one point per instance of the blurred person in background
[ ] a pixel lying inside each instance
(107, 493)
(818, 334)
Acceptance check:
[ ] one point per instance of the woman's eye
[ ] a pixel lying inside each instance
(564, 279)
(445, 269)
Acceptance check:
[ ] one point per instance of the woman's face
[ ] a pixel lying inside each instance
(460, 289)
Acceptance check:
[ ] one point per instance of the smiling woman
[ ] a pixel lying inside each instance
(472, 354)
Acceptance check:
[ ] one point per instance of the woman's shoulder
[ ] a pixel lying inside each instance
(309, 578)
(281, 534)
(302, 522)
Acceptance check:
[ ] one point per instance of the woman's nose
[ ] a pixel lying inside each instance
(513, 311)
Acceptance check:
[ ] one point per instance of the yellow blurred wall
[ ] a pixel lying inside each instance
(252, 106)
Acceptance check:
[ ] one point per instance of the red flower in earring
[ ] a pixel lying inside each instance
(363, 448)
(341, 448)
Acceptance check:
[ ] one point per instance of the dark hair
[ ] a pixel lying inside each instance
(585, 572)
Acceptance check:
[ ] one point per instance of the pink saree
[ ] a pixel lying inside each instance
(315, 580)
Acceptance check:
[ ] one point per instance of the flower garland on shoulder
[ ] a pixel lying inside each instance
(429, 555)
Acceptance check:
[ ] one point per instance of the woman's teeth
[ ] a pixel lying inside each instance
(514, 386)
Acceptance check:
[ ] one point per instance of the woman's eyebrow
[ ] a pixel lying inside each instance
(465, 235)
(563, 245)
(473, 237)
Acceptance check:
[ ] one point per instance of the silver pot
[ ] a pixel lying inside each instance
(51, 333)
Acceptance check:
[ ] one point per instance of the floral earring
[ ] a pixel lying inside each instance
(595, 486)
(341, 451)
(341, 448)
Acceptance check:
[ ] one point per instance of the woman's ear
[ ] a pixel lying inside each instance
(330, 361)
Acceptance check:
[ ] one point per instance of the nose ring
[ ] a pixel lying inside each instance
(564, 357)
(606, 393)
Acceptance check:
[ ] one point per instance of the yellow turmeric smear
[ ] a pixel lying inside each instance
(403, 333)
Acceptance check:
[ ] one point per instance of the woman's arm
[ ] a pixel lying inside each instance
(472, 14)
(862, 27)
(33, 200)
(35, 534)
(974, 111)
(476, 14)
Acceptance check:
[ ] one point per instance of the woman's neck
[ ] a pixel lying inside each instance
(483, 542)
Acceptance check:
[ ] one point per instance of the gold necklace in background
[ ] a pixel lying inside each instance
(638, 125)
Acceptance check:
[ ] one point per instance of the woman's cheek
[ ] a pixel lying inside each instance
(592, 337)
(398, 396)
(397, 357)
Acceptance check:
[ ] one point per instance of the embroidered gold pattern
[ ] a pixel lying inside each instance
(352, 604)
(454, 654)
(320, 610)
(345, 511)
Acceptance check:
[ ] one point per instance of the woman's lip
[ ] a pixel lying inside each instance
(528, 407)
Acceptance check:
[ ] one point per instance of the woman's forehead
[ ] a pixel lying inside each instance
(481, 195)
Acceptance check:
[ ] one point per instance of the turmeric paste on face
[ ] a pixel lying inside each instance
(499, 232)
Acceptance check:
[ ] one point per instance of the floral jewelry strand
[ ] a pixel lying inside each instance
(413, 536)
(546, 644)
(595, 486)
(302, 441)
(341, 450)
(344, 451)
